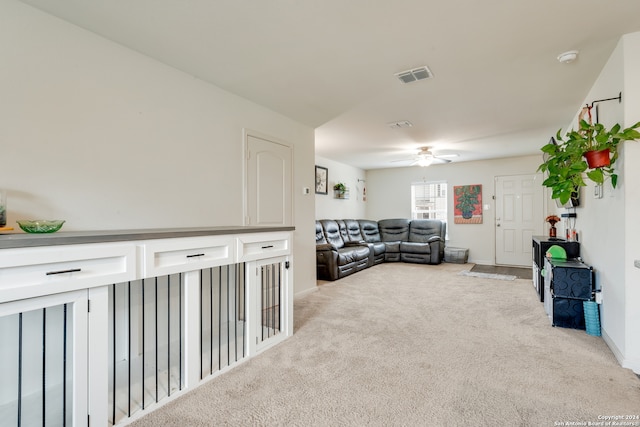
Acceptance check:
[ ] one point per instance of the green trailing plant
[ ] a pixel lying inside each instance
(596, 137)
(564, 165)
(340, 187)
(564, 162)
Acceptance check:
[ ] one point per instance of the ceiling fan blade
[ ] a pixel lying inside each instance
(441, 159)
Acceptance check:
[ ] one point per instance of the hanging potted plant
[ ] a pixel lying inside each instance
(600, 147)
(564, 159)
(565, 167)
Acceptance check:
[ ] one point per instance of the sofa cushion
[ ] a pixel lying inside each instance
(394, 230)
(415, 248)
(422, 230)
(353, 230)
(343, 230)
(332, 233)
(377, 247)
(319, 234)
(370, 231)
(392, 246)
(351, 254)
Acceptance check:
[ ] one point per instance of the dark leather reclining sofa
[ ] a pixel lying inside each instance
(346, 246)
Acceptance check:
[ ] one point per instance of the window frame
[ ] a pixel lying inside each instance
(440, 202)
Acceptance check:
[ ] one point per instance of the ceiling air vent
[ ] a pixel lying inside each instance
(414, 75)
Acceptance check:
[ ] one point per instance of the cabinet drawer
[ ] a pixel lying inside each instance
(168, 256)
(264, 245)
(30, 272)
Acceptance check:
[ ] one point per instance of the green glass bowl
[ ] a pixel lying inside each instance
(40, 225)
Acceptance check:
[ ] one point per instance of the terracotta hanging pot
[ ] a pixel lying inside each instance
(598, 159)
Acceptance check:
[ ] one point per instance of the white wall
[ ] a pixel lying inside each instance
(389, 196)
(631, 49)
(105, 138)
(327, 206)
(602, 244)
(608, 227)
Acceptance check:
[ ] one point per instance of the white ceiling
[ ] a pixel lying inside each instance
(498, 89)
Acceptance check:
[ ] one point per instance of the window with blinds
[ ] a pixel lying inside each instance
(429, 200)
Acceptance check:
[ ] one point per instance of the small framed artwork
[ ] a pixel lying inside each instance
(321, 180)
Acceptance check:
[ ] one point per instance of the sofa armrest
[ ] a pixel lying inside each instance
(325, 247)
(437, 250)
(435, 239)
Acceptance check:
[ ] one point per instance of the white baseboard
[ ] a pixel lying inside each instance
(632, 364)
(481, 261)
(304, 293)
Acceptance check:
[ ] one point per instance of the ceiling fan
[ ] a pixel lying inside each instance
(425, 157)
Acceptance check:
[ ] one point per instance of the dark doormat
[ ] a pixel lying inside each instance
(519, 272)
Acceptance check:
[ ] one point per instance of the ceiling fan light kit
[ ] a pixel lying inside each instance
(424, 161)
(425, 157)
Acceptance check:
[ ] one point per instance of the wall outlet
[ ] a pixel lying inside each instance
(306, 190)
(599, 297)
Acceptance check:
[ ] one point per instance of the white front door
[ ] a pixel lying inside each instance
(519, 216)
(269, 185)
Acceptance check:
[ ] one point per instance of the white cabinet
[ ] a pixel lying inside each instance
(256, 246)
(107, 332)
(168, 256)
(30, 272)
(44, 360)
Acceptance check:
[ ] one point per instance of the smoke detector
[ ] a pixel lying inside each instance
(409, 76)
(568, 57)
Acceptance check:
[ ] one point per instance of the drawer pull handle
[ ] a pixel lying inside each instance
(267, 247)
(194, 255)
(73, 270)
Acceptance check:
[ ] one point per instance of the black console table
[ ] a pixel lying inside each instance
(540, 246)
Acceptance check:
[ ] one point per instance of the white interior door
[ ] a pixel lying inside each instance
(269, 185)
(519, 216)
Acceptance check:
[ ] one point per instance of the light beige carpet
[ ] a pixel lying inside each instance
(417, 345)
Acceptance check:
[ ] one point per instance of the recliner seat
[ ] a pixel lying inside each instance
(393, 233)
(425, 243)
(336, 258)
(371, 235)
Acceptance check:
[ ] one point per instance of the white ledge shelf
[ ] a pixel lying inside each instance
(25, 240)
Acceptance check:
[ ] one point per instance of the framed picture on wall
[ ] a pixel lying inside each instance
(322, 176)
(467, 202)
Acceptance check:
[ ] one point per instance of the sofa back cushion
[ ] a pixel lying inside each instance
(343, 230)
(421, 230)
(353, 230)
(370, 231)
(332, 232)
(320, 234)
(394, 230)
